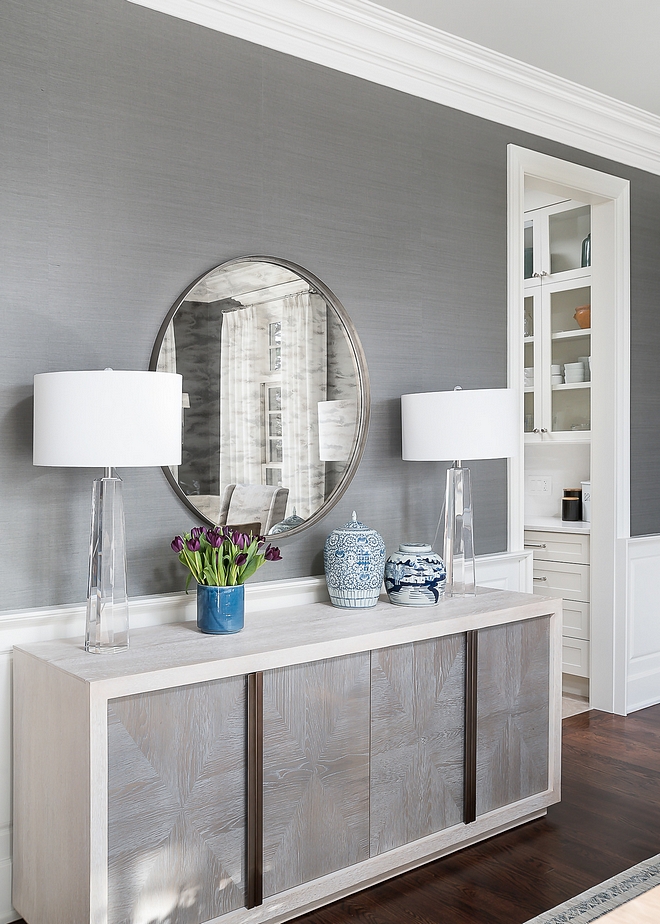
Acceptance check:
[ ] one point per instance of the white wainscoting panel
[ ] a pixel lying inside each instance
(643, 636)
(506, 571)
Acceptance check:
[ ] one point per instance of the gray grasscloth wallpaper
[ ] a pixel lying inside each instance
(139, 150)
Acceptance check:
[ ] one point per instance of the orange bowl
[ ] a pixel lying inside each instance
(583, 316)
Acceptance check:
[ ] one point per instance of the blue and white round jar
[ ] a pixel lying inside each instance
(415, 575)
(354, 559)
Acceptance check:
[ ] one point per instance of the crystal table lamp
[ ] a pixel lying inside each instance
(107, 419)
(442, 425)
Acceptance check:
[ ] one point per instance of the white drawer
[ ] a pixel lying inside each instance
(562, 579)
(558, 546)
(575, 657)
(576, 619)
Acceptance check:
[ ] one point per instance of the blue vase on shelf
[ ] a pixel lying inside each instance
(354, 559)
(415, 575)
(220, 610)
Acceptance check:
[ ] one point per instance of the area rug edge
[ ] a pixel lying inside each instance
(605, 897)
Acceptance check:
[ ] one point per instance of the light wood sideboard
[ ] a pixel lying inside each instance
(253, 777)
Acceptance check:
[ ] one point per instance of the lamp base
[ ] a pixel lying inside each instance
(458, 544)
(107, 601)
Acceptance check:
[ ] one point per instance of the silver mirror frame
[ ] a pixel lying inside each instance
(362, 373)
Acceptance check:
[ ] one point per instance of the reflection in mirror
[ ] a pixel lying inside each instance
(275, 395)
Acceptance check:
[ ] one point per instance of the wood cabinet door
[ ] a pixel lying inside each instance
(176, 803)
(417, 740)
(315, 770)
(513, 683)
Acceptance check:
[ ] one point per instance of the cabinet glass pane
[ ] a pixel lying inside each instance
(528, 322)
(529, 249)
(571, 408)
(568, 232)
(569, 353)
(563, 306)
(529, 411)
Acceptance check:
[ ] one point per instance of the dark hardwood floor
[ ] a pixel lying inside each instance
(608, 820)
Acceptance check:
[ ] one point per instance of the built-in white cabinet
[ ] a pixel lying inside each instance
(562, 568)
(557, 338)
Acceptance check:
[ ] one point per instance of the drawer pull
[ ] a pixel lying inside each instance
(540, 579)
(536, 545)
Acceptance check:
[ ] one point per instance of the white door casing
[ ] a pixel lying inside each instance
(609, 197)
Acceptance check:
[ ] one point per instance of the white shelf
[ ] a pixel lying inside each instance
(571, 334)
(528, 340)
(569, 385)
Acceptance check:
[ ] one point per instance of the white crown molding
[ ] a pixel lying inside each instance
(363, 39)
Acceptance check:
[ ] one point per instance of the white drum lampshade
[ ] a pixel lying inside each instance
(454, 425)
(107, 419)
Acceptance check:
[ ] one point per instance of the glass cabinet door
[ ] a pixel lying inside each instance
(557, 322)
(570, 324)
(569, 239)
(529, 366)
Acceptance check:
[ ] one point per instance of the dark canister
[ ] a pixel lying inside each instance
(571, 505)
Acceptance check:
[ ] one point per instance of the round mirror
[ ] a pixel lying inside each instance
(276, 395)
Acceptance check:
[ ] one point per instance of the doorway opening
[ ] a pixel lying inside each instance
(568, 266)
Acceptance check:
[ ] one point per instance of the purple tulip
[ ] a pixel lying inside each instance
(240, 540)
(196, 532)
(177, 544)
(214, 538)
(272, 554)
(193, 544)
(241, 559)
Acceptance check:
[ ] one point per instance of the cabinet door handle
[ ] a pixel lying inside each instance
(535, 545)
(540, 579)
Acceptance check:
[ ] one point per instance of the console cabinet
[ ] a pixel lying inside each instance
(251, 779)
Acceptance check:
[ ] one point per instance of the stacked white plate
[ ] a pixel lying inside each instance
(574, 373)
(556, 374)
(529, 376)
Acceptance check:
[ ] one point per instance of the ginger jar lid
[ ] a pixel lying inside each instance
(415, 548)
(354, 526)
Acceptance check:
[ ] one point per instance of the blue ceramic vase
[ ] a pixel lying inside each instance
(354, 559)
(415, 575)
(220, 610)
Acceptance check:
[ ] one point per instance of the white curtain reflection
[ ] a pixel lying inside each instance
(167, 356)
(167, 363)
(304, 384)
(240, 398)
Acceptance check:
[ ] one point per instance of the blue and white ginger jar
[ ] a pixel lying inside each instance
(415, 575)
(354, 559)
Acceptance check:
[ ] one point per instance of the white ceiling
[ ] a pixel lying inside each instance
(607, 45)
